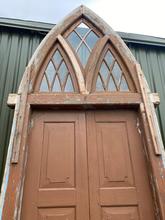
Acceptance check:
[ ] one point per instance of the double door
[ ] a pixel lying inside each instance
(86, 165)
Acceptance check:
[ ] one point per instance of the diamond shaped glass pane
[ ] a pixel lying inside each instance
(69, 85)
(91, 39)
(44, 85)
(74, 40)
(109, 58)
(57, 58)
(99, 84)
(56, 86)
(111, 85)
(82, 29)
(50, 72)
(62, 72)
(83, 54)
(124, 85)
(117, 73)
(104, 72)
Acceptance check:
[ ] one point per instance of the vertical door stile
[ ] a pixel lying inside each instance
(95, 213)
(82, 211)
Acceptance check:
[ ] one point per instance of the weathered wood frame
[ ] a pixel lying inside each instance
(26, 98)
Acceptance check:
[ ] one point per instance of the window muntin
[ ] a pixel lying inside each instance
(111, 77)
(83, 39)
(57, 77)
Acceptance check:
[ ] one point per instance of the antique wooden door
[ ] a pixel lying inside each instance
(86, 165)
(84, 144)
(56, 185)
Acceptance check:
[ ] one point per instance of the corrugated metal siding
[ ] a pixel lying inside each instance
(16, 48)
(18, 45)
(152, 60)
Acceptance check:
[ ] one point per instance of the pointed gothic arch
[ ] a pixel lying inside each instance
(83, 76)
(110, 60)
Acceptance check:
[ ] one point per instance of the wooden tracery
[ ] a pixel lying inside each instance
(89, 72)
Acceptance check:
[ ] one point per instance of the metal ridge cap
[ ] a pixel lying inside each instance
(142, 39)
(25, 24)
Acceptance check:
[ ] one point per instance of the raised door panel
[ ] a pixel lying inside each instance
(58, 152)
(114, 157)
(117, 169)
(120, 213)
(57, 177)
(57, 214)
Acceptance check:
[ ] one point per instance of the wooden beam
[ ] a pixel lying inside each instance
(155, 99)
(12, 99)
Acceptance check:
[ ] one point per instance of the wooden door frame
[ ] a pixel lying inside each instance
(26, 99)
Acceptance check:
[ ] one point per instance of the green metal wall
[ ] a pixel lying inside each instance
(17, 46)
(152, 60)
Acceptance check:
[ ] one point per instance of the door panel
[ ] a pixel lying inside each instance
(120, 213)
(56, 185)
(86, 166)
(117, 170)
(57, 214)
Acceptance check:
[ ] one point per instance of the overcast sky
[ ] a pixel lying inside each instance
(133, 16)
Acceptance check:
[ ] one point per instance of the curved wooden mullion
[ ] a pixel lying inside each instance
(106, 64)
(83, 40)
(128, 61)
(115, 61)
(114, 81)
(64, 84)
(77, 70)
(123, 76)
(93, 62)
(110, 74)
(53, 80)
(49, 86)
(121, 80)
(102, 80)
(59, 81)
(57, 67)
(57, 73)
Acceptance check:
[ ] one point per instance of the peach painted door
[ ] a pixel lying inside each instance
(118, 180)
(56, 183)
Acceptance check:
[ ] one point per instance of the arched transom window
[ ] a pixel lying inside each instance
(111, 76)
(73, 54)
(83, 39)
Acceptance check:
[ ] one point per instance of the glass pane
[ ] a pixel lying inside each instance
(83, 54)
(69, 85)
(56, 86)
(104, 72)
(117, 73)
(91, 39)
(50, 72)
(57, 58)
(82, 25)
(111, 85)
(74, 40)
(62, 72)
(44, 85)
(109, 58)
(82, 29)
(99, 84)
(124, 85)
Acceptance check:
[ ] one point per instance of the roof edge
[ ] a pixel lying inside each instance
(46, 27)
